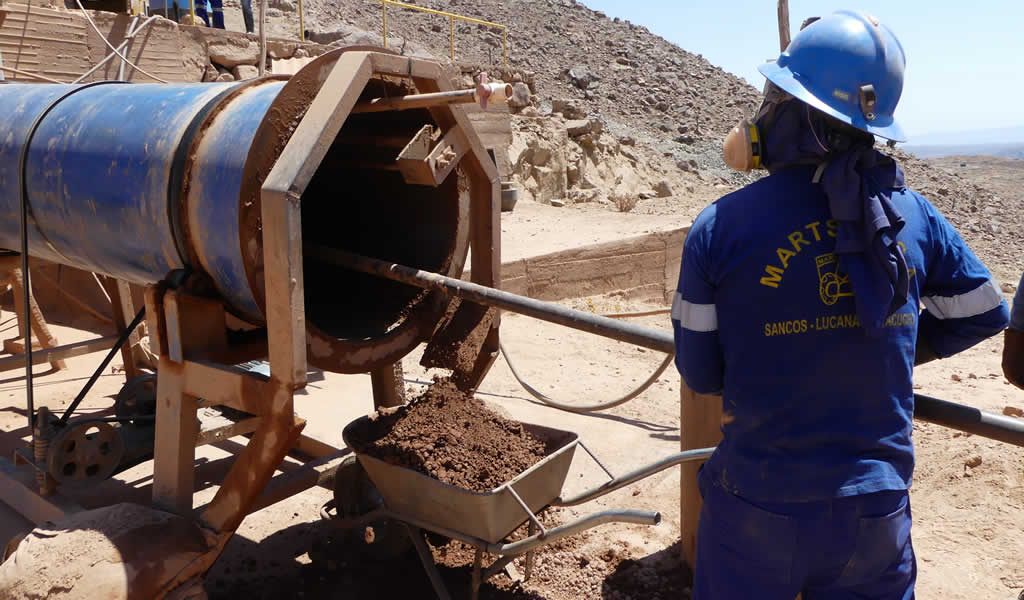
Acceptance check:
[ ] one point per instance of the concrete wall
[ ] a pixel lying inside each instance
(644, 268)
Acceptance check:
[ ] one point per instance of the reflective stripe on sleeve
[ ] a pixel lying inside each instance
(975, 302)
(695, 317)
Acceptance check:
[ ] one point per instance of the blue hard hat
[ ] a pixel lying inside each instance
(847, 65)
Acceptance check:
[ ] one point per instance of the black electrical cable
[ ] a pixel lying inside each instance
(103, 365)
(23, 193)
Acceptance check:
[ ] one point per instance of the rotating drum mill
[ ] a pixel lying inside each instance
(206, 194)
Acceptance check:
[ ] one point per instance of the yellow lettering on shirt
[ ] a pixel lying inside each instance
(814, 229)
(784, 256)
(773, 275)
(796, 238)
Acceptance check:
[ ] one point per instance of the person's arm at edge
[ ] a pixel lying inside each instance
(963, 304)
(699, 356)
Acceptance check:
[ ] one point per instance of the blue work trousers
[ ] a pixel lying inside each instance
(850, 548)
(217, 7)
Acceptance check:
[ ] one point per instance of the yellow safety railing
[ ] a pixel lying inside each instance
(452, 17)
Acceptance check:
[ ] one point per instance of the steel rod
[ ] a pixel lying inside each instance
(639, 517)
(120, 47)
(634, 476)
(969, 419)
(414, 101)
(645, 337)
(29, 75)
(932, 410)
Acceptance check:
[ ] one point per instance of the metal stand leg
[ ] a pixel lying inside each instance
(427, 559)
(474, 590)
(531, 554)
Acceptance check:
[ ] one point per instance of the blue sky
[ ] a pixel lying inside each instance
(964, 59)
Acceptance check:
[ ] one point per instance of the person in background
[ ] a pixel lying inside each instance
(1013, 347)
(247, 15)
(798, 302)
(215, 20)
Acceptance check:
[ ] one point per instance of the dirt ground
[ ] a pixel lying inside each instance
(967, 494)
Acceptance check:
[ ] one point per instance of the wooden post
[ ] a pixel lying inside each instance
(783, 25)
(700, 427)
(388, 386)
(30, 318)
(122, 308)
(175, 445)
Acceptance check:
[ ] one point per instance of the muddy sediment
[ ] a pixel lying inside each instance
(453, 437)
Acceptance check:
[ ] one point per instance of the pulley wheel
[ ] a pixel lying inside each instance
(87, 452)
(137, 398)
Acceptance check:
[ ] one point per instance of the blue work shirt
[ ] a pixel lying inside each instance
(813, 406)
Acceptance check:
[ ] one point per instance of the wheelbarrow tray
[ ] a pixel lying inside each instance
(489, 516)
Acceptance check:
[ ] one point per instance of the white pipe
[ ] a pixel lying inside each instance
(496, 93)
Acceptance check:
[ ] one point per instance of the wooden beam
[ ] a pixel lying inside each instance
(220, 428)
(319, 472)
(124, 312)
(10, 363)
(313, 447)
(18, 489)
(156, 320)
(194, 325)
(219, 385)
(784, 38)
(254, 467)
(700, 427)
(174, 448)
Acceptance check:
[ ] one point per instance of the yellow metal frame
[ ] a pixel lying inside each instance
(451, 19)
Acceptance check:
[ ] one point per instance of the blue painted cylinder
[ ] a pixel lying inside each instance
(112, 180)
(138, 180)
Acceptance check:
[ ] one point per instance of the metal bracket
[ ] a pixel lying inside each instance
(421, 164)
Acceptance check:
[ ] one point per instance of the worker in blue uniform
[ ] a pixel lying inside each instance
(798, 302)
(216, 19)
(1013, 343)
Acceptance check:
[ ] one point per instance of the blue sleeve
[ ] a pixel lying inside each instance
(1017, 316)
(694, 318)
(963, 304)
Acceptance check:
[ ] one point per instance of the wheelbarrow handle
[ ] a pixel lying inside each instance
(640, 517)
(633, 476)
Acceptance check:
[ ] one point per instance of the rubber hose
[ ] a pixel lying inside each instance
(590, 408)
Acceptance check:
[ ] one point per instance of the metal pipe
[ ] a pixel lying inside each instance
(538, 309)
(933, 410)
(131, 34)
(634, 476)
(29, 75)
(121, 46)
(499, 92)
(969, 419)
(639, 517)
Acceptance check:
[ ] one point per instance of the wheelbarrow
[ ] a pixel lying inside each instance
(484, 519)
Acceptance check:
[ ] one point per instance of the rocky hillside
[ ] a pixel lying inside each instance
(615, 108)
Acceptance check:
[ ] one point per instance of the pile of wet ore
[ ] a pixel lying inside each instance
(453, 437)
